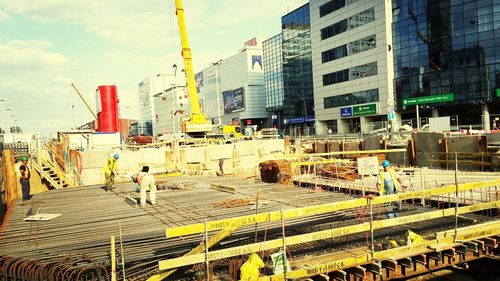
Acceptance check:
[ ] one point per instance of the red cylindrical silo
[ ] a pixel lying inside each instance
(107, 116)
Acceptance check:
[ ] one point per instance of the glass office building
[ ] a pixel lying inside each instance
(353, 65)
(273, 78)
(298, 99)
(449, 52)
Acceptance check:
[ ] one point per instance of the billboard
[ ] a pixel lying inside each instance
(234, 100)
(199, 82)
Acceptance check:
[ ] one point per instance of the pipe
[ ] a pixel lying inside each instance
(84, 101)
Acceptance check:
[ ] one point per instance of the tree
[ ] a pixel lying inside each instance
(15, 129)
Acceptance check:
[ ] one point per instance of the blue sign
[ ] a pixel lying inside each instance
(303, 119)
(345, 111)
(296, 120)
(310, 118)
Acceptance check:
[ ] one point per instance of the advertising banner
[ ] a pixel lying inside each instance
(234, 100)
(199, 81)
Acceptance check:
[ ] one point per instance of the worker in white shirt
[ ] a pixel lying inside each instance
(147, 181)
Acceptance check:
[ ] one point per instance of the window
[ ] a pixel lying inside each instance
(332, 6)
(352, 98)
(347, 24)
(354, 47)
(353, 73)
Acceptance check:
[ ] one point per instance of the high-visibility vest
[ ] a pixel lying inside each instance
(110, 166)
(394, 176)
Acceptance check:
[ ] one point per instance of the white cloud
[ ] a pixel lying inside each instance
(119, 21)
(4, 16)
(29, 56)
(227, 13)
(149, 25)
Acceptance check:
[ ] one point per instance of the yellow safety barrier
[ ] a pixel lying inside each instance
(323, 208)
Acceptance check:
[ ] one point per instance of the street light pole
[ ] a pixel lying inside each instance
(73, 108)
(173, 89)
(418, 118)
(1, 113)
(216, 64)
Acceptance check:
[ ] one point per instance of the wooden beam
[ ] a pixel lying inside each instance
(10, 177)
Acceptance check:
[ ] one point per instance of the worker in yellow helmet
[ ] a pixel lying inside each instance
(389, 182)
(110, 170)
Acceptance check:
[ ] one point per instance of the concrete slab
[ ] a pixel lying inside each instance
(195, 155)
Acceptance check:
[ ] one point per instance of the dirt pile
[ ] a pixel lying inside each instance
(276, 171)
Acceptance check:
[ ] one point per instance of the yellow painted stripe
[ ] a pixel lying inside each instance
(321, 209)
(325, 234)
(468, 233)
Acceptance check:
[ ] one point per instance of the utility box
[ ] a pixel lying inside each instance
(439, 124)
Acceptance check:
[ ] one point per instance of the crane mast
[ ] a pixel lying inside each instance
(197, 122)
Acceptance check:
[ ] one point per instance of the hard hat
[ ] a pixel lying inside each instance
(386, 163)
(116, 156)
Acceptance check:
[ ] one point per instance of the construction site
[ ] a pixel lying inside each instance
(390, 205)
(292, 209)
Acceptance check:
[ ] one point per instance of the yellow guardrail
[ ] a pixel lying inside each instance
(323, 208)
(443, 242)
(320, 235)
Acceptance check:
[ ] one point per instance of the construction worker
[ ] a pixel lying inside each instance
(110, 170)
(147, 181)
(389, 182)
(24, 179)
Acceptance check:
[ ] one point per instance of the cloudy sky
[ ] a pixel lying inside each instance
(46, 45)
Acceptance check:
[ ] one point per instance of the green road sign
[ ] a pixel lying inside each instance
(498, 93)
(366, 109)
(430, 99)
(390, 116)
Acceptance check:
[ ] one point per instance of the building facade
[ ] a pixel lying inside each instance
(273, 79)
(353, 64)
(149, 87)
(233, 88)
(298, 99)
(447, 61)
(171, 105)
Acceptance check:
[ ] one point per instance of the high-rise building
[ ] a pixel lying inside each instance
(233, 88)
(353, 64)
(447, 61)
(171, 105)
(149, 87)
(273, 79)
(298, 99)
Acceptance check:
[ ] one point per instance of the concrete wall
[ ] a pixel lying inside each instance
(129, 163)
(241, 158)
(372, 142)
(426, 146)
(464, 144)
